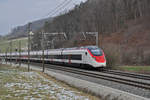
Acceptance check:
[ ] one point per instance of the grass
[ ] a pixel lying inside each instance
(18, 84)
(5, 44)
(138, 69)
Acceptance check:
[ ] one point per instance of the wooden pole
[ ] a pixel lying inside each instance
(6, 56)
(29, 25)
(11, 52)
(97, 39)
(43, 64)
(20, 53)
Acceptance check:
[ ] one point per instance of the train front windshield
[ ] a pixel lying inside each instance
(96, 51)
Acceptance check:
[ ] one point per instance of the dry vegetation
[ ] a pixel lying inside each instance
(18, 84)
(123, 27)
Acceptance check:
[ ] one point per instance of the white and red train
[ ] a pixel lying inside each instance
(88, 55)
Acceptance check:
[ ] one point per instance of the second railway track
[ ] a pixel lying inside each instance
(134, 83)
(127, 74)
(120, 80)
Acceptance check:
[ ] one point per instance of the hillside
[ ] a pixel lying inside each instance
(136, 33)
(21, 31)
(5, 44)
(133, 42)
(123, 27)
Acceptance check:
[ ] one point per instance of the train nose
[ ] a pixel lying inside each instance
(100, 59)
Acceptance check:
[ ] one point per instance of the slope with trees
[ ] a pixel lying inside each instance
(120, 23)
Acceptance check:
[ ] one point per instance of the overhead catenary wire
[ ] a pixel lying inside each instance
(63, 10)
(73, 2)
(59, 5)
(62, 6)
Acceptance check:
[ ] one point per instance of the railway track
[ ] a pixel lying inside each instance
(120, 80)
(127, 74)
(134, 83)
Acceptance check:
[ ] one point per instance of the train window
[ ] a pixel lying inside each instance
(72, 57)
(46, 56)
(86, 53)
(96, 52)
(57, 56)
(76, 57)
(51, 56)
(65, 57)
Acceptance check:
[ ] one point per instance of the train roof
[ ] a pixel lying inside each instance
(74, 48)
(82, 47)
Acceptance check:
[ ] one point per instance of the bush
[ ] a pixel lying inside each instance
(129, 57)
(112, 54)
(147, 59)
(133, 56)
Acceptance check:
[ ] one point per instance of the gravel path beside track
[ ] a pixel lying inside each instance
(126, 88)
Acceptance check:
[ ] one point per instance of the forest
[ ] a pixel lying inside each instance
(120, 25)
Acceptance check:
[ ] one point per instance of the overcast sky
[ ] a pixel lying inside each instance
(19, 12)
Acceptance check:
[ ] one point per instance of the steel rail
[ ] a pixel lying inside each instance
(144, 77)
(100, 76)
(105, 77)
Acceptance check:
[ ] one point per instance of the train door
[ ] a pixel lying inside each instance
(69, 59)
(62, 57)
(84, 57)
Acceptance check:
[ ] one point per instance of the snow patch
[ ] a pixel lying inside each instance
(35, 84)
